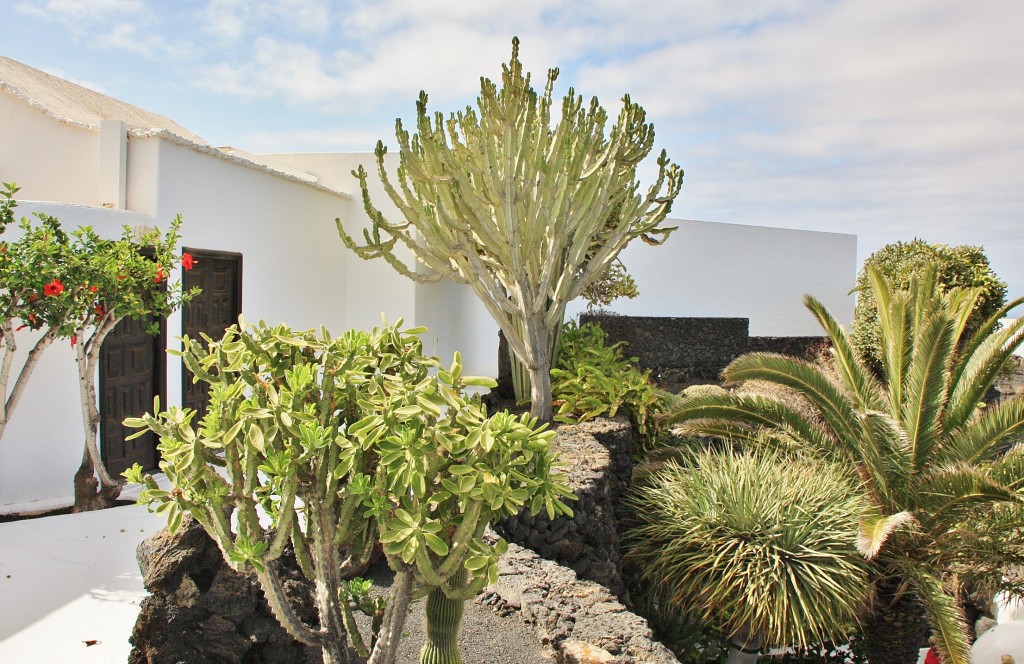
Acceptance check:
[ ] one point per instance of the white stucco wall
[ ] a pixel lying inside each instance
(715, 269)
(48, 159)
(373, 288)
(294, 271)
(455, 318)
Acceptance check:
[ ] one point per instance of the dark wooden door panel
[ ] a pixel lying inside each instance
(131, 374)
(219, 276)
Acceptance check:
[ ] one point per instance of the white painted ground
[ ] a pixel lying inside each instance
(68, 580)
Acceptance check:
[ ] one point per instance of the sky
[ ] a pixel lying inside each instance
(891, 120)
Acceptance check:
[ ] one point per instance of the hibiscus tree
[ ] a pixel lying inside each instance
(30, 286)
(78, 287)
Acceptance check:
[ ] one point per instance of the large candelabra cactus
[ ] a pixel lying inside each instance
(527, 214)
(329, 444)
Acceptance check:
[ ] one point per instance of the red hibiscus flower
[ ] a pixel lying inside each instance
(100, 311)
(74, 340)
(93, 289)
(160, 276)
(53, 288)
(187, 261)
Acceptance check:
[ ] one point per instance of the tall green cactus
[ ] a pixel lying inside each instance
(528, 214)
(331, 444)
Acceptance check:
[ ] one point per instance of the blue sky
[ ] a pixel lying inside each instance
(887, 119)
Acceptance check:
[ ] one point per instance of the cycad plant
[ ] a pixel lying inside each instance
(931, 457)
(761, 546)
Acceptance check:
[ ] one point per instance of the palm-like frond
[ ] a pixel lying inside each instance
(858, 379)
(809, 381)
(1009, 469)
(977, 371)
(897, 333)
(962, 302)
(876, 528)
(982, 334)
(735, 433)
(944, 613)
(985, 436)
(945, 495)
(926, 386)
(884, 458)
(706, 414)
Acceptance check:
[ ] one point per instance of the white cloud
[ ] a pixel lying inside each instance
(78, 10)
(234, 20)
(224, 19)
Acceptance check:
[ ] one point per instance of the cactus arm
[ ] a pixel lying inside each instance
(302, 556)
(283, 610)
(284, 526)
(386, 647)
(326, 582)
(353, 631)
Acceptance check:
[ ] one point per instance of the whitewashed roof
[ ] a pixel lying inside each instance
(76, 105)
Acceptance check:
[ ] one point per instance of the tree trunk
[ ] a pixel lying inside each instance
(92, 474)
(897, 627)
(744, 648)
(89, 495)
(536, 381)
(540, 393)
(10, 401)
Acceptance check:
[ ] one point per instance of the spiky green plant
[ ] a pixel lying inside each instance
(528, 212)
(331, 444)
(930, 456)
(762, 546)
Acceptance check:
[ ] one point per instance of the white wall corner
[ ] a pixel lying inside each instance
(113, 169)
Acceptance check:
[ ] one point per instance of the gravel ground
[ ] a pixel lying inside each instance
(484, 637)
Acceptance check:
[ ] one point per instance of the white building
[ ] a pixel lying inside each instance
(263, 230)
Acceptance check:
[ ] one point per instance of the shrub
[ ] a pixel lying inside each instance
(963, 266)
(592, 379)
(772, 563)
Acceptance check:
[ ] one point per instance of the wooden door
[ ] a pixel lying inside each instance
(219, 276)
(132, 370)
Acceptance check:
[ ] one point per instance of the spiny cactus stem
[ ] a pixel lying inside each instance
(327, 581)
(284, 526)
(394, 619)
(353, 630)
(442, 617)
(283, 610)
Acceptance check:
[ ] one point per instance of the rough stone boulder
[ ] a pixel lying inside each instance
(580, 620)
(203, 612)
